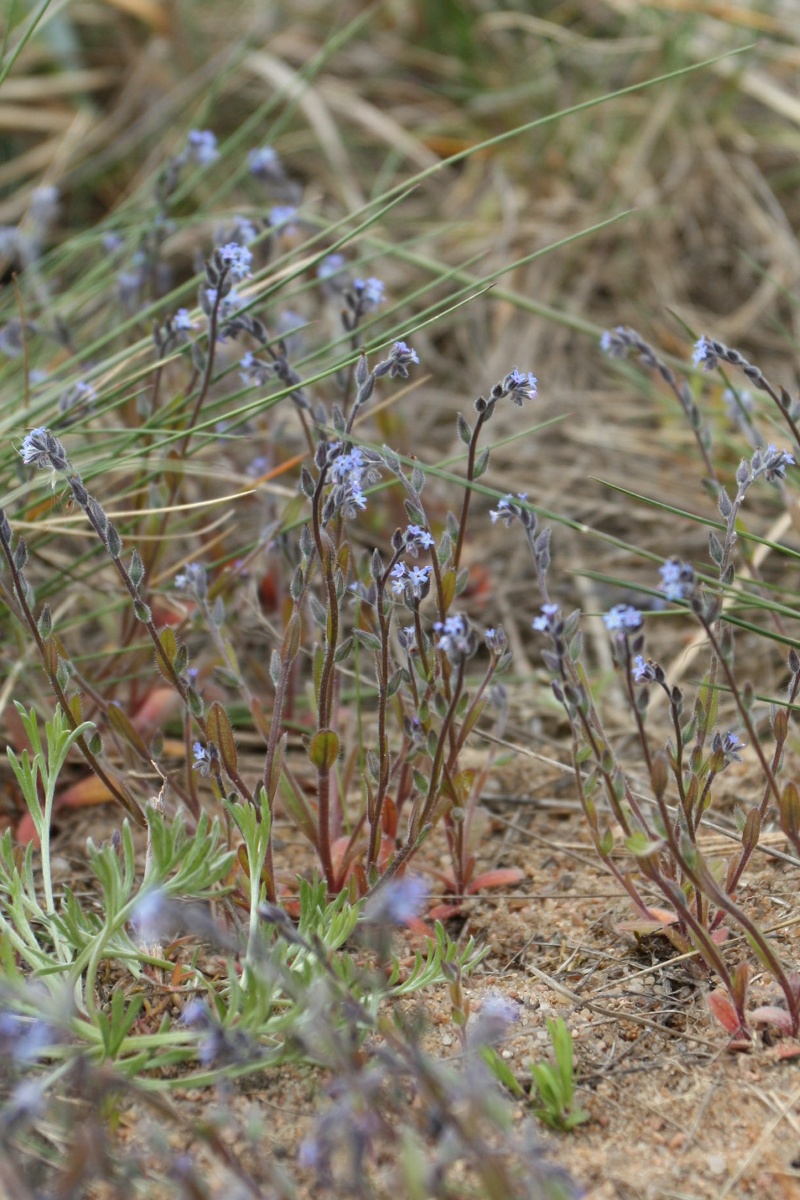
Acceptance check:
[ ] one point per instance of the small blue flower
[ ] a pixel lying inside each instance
(371, 291)
(41, 449)
(456, 639)
(731, 745)
(496, 641)
(282, 216)
(401, 357)
(397, 902)
(149, 913)
(703, 354)
(202, 758)
(520, 386)
(407, 636)
(201, 147)
(237, 259)
(775, 463)
(265, 164)
(418, 577)
(642, 671)
(547, 620)
(182, 321)
(417, 537)
(193, 579)
(616, 342)
(677, 579)
(227, 305)
(622, 617)
(503, 511)
(398, 577)
(244, 231)
(333, 265)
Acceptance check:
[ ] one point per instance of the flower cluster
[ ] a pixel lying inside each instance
(622, 618)
(771, 463)
(520, 386)
(705, 355)
(397, 902)
(417, 539)
(413, 582)
(369, 293)
(236, 260)
(331, 266)
(40, 448)
(547, 620)
(496, 641)
(201, 147)
(193, 579)
(678, 581)
(456, 639)
(508, 510)
(264, 164)
(283, 216)
(400, 358)
(254, 372)
(616, 342)
(643, 672)
(730, 744)
(203, 758)
(349, 470)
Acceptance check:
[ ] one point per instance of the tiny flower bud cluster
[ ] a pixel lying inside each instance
(456, 639)
(678, 580)
(193, 579)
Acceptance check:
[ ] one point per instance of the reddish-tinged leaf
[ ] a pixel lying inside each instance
(770, 1014)
(480, 585)
(500, 877)
(752, 830)
(359, 875)
(443, 912)
(324, 749)
(791, 1051)
(720, 1005)
(244, 863)
(260, 719)
(158, 705)
(789, 807)
(664, 915)
(660, 919)
(169, 646)
(221, 734)
(87, 793)
(448, 588)
(417, 925)
(26, 831)
(276, 768)
(118, 720)
(268, 593)
(389, 817)
(50, 657)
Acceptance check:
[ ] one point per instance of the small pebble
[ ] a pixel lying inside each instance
(717, 1164)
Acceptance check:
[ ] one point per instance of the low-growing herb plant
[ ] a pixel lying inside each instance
(660, 832)
(554, 1083)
